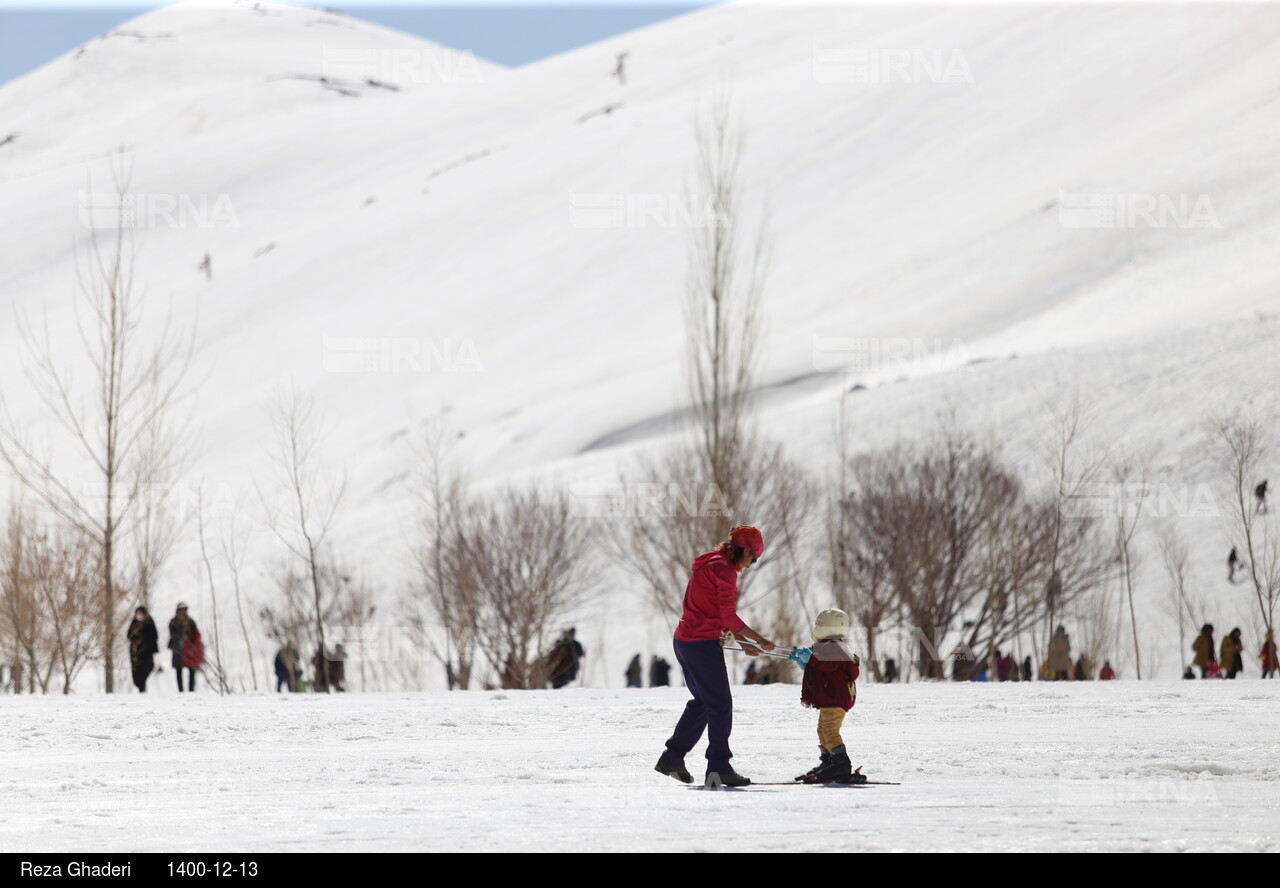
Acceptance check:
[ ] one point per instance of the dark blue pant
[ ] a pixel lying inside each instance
(710, 710)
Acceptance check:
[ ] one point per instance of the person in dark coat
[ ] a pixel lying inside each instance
(1260, 494)
(338, 668)
(144, 644)
(1027, 671)
(634, 674)
(1082, 669)
(1232, 660)
(1233, 564)
(188, 650)
(565, 658)
(659, 672)
(890, 670)
(286, 665)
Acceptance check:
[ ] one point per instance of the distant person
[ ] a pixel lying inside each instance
(1189, 674)
(187, 647)
(890, 670)
(620, 69)
(1260, 494)
(1004, 667)
(1233, 564)
(338, 669)
(565, 659)
(633, 673)
(1027, 671)
(144, 644)
(329, 672)
(659, 672)
(1060, 655)
(318, 683)
(1082, 669)
(1203, 649)
(1106, 673)
(1268, 655)
(750, 676)
(286, 666)
(1232, 659)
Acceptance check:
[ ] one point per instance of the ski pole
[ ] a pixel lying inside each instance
(777, 652)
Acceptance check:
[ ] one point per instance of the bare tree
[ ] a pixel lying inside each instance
(445, 593)
(1074, 471)
(135, 385)
(722, 304)
(723, 461)
(1244, 449)
(945, 535)
(68, 584)
(313, 499)
(531, 559)
(22, 619)
(1186, 607)
(231, 546)
(1131, 494)
(219, 671)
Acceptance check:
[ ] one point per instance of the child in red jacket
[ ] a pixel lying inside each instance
(830, 673)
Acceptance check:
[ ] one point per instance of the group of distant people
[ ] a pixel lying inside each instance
(659, 672)
(1057, 666)
(289, 670)
(1230, 656)
(184, 641)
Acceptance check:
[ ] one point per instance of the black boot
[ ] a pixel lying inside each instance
(826, 757)
(838, 769)
(679, 772)
(726, 778)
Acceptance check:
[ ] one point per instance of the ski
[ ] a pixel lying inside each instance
(831, 783)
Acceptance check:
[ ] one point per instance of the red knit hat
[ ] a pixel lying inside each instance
(747, 537)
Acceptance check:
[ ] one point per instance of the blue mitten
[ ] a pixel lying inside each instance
(801, 656)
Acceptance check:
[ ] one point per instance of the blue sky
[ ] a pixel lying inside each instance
(512, 32)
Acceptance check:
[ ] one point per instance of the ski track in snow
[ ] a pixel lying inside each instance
(1088, 766)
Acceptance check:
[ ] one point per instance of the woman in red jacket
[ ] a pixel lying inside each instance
(710, 609)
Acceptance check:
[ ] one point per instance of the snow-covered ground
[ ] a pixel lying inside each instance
(1028, 767)
(459, 216)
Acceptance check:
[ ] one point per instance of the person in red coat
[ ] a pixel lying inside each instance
(830, 686)
(1268, 655)
(710, 610)
(188, 649)
(1106, 673)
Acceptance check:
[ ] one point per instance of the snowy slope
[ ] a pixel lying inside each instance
(444, 212)
(1087, 767)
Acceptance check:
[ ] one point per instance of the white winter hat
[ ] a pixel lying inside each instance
(831, 623)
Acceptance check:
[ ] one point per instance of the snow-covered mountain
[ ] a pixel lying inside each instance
(1088, 189)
